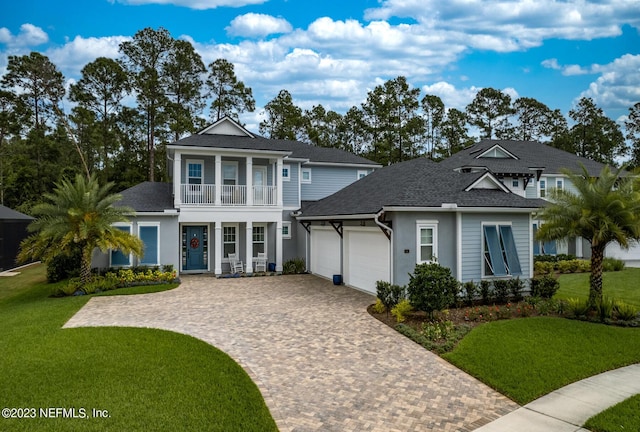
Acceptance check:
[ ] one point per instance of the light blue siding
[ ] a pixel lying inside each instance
(327, 180)
(532, 189)
(472, 247)
(291, 189)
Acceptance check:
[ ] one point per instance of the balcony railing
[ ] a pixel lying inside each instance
(205, 195)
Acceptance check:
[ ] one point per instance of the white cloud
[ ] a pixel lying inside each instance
(618, 84)
(567, 70)
(257, 25)
(29, 36)
(450, 95)
(74, 55)
(196, 4)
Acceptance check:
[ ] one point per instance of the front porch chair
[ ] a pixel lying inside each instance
(261, 262)
(235, 264)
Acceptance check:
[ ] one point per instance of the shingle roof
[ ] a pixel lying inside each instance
(415, 183)
(297, 149)
(8, 214)
(148, 197)
(529, 153)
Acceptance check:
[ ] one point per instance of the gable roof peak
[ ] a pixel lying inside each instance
(496, 151)
(226, 126)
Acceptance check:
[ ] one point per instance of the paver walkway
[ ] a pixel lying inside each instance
(320, 360)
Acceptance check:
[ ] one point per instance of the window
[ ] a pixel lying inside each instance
(286, 230)
(427, 245)
(229, 240)
(149, 233)
(306, 175)
(229, 173)
(499, 254)
(258, 239)
(543, 188)
(515, 183)
(118, 259)
(195, 174)
(362, 173)
(286, 170)
(559, 184)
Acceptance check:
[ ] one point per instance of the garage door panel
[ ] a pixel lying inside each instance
(325, 252)
(367, 259)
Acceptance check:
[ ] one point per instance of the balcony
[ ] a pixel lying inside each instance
(232, 196)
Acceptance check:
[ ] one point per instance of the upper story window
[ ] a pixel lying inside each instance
(195, 172)
(362, 173)
(542, 184)
(305, 175)
(559, 184)
(500, 255)
(286, 172)
(427, 237)
(515, 183)
(229, 173)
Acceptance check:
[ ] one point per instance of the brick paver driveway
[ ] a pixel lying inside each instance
(320, 360)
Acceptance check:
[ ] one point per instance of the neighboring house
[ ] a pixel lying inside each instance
(232, 192)
(529, 169)
(13, 229)
(415, 212)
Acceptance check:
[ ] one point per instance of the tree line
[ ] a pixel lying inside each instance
(107, 135)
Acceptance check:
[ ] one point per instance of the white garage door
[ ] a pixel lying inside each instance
(325, 252)
(366, 258)
(630, 256)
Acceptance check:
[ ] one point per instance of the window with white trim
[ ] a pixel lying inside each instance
(229, 240)
(149, 233)
(259, 239)
(427, 241)
(286, 230)
(500, 256)
(195, 172)
(542, 185)
(117, 258)
(229, 173)
(559, 184)
(286, 172)
(305, 175)
(362, 173)
(515, 183)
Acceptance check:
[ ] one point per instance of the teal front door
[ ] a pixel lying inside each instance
(195, 248)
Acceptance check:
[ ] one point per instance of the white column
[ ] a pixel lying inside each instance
(249, 181)
(279, 242)
(279, 186)
(249, 248)
(218, 181)
(177, 179)
(217, 240)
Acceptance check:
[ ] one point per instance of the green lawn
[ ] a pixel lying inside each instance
(623, 285)
(624, 416)
(530, 357)
(146, 379)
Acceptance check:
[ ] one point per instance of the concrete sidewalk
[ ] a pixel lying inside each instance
(568, 408)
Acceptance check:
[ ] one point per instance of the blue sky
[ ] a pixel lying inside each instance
(333, 52)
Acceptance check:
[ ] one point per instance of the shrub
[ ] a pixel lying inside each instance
(401, 310)
(544, 287)
(378, 307)
(486, 293)
(516, 287)
(604, 308)
(64, 266)
(469, 290)
(626, 312)
(577, 308)
(501, 290)
(390, 295)
(294, 266)
(612, 264)
(565, 257)
(544, 267)
(546, 306)
(432, 288)
(437, 330)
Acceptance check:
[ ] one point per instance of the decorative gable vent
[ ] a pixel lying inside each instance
(497, 152)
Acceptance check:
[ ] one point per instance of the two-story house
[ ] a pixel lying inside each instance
(232, 192)
(531, 169)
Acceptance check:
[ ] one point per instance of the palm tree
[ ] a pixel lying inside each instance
(604, 209)
(78, 215)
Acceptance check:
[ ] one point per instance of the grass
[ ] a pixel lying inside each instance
(146, 379)
(527, 358)
(622, 285)
(624, 416)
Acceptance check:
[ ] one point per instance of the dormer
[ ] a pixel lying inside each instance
(497, 152)
(487, 181)
(226, 126)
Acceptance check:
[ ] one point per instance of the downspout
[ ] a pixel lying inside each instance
(384, 228)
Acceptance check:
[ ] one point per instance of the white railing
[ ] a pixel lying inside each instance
(264, 195)
(198, 194)
(205, 195)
